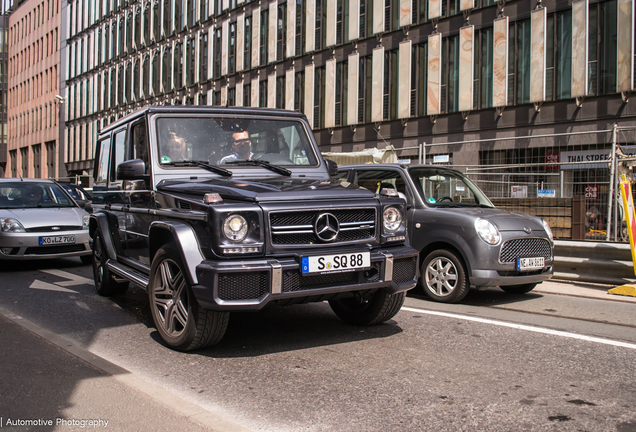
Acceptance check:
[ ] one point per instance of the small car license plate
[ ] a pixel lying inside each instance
(530, 263)
(336, 263)
(54, 240)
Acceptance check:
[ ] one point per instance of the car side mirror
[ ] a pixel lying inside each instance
(332, 167)
(134, 169)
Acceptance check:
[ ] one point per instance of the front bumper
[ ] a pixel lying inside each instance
(485, 278)
(251, 284)
(26, 246)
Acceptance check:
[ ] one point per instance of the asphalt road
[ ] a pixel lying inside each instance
(497, 362)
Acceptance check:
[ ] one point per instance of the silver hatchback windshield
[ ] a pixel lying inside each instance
(231, 140)
(19, 194)
(440, 187)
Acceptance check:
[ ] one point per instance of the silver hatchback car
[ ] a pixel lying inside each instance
(39, 219)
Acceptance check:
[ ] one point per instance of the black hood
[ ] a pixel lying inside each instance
(269, 189)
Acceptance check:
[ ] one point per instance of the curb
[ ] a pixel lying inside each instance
(626, 290)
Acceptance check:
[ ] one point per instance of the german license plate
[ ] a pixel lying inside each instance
(336, 263)
(530, 263)
(53, 240)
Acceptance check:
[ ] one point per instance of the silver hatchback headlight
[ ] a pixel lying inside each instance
(11, 225)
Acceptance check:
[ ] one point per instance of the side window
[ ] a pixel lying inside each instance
(101, 169)
(375, 180)
(121, 153)
(139, 142)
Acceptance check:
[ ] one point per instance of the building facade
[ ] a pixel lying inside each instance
(4, 69)
(369, 73)
(33, 148)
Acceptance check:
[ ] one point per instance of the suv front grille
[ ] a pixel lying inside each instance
(298, 227)
(243, 286)
(525, 248)
(293, 280)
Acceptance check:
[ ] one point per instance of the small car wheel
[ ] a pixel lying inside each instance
(443, 277)
(380, 308)
(105, 284)
(181, 322)
(86, 259)
(519, 289)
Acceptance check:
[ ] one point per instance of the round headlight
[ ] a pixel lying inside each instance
(392, 219)
(235, 228)
(487, 231)
(547, 229)
(11, 225)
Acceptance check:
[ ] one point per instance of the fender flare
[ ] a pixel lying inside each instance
(99, 221)
(183, 235)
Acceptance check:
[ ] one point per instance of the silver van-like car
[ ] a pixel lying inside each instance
(464, 241)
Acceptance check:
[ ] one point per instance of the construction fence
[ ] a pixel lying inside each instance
(570, 179)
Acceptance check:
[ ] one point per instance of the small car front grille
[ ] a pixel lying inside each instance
(525, 248)
(58, 228)
(404, 270)
(293, 280)
(52, 250)
(243, 286)
(298, 227)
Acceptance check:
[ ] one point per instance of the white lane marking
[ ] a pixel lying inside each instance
(38, 284)
(73, 279)
(525, 327)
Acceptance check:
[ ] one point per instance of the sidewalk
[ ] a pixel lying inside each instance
(581, 289)
(50, 384)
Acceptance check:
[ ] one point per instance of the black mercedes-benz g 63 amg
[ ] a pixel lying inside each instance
(214, 210)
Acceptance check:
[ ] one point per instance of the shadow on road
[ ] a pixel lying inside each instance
(490, 297)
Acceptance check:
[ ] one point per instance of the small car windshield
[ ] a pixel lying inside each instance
(440, 187)
(222, 140)
(32, 195)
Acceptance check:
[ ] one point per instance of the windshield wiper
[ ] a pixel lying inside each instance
(202, 164)
(265, 164)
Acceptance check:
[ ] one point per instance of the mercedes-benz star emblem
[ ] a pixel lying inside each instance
(326, 227)
(528, 230)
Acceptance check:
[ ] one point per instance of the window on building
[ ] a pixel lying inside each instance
(522, 72)
(179, 17)
(607, 46)
(418, 79)
(167, 18)
(51, 159)
(342, 81)
(204, 11)
(483, 71)
(247, 95)
(156, 83)
(178, 66)
(449, 92)
(262, 93)
(365, 88)
(24, 155)
(155, 18)
(563, 55)
(37, 172)
(190, 61)
(135, 80)
(281, 29)
(231, 96)
(232, 48)
(321, 16)
(145, 29)
(264, 37)
(203, 57)
(390, 90)
(247, 53)
(217, 53)
(319, 97)
(299, 91)
(166, 65)
(13, 157)
(280, 92)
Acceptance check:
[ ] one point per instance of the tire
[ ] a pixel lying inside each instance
(86, 259)
(382, 307)
(105, 283)
(181, 322)
(443, 277)
(519, 289)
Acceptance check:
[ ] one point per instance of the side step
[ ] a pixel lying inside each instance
(128, 273)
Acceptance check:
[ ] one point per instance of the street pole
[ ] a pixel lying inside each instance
(610, 198)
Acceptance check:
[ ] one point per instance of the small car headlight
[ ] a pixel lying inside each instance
(547, 229)
(11, 225)
(392, 219)
(235, 228)
(487, 231)
(86, 219)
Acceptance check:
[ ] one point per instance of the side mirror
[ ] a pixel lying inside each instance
(332, 167)
(134, 169)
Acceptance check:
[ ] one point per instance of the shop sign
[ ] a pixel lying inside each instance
(519, 191)
(547, 193)
(591, 191)
(552, 157)
(598, 158)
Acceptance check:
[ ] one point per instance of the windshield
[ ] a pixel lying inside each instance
(223, 140)
(441, 187)
(32, 195)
